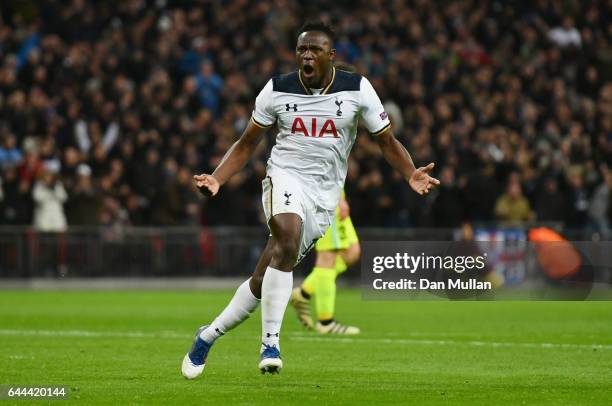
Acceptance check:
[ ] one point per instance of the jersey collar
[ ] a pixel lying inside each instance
(325, 89)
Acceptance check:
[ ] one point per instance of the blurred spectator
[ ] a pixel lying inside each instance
(550, 203)
(147, 179)
(448, 207)
(566, 34)
(599, 209)
(178, 205)
(512, 206)
(16, 201)
(49, 196)
(84, 203)
(31, 167)
(577, 207)
(209, 85)
(10, 154)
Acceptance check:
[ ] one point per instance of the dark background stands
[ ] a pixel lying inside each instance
(145, 92)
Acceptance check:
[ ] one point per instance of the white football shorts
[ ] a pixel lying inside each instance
(283, 193)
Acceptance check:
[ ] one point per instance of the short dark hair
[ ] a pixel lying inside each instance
(319, 26)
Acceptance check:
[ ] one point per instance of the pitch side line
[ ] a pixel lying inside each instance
(471, 343)
(83, 333)
(304, 337)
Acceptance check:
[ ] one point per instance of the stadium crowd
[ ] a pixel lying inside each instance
(108, 107)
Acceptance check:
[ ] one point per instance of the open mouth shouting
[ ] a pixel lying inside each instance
(308, 70)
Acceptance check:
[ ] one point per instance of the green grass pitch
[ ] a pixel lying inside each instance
(125, 347)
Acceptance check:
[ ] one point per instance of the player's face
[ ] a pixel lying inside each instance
(314, 56)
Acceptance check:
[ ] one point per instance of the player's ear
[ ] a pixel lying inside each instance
(332, 54)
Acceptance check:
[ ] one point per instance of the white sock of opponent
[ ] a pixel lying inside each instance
(238, 310)
(275, 293)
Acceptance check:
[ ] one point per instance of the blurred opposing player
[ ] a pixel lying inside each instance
(316, 109)
(336, 250)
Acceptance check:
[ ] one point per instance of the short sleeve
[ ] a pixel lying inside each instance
(263, 113)
(373, 113)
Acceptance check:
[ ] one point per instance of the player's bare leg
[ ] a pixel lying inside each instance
(260, 269)
(276, 287)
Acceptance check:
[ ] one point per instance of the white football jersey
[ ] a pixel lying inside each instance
(317, 129)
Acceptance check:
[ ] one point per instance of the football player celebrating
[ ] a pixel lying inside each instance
(316, 110)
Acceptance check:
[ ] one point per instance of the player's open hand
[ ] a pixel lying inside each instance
(206, 184)
(421, 182)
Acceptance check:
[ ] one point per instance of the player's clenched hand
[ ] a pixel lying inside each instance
(206, 184)
(421, 182)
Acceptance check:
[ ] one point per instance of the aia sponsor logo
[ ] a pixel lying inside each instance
(328, 127)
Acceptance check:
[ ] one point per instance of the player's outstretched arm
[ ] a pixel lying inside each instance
(233, 160)
(399, 158)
